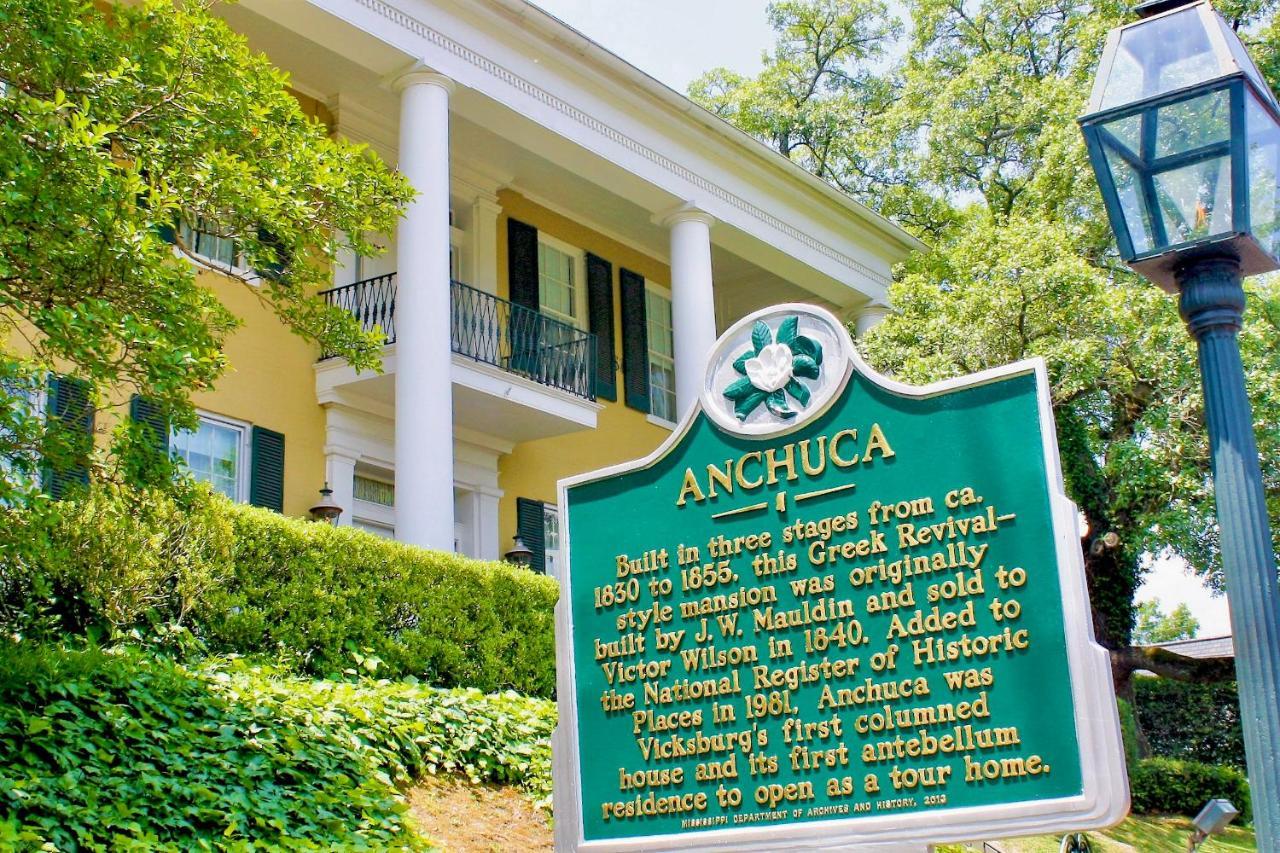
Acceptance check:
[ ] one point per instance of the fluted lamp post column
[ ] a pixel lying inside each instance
(1184, 137)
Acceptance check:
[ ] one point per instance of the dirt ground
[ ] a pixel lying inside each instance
(465, 818)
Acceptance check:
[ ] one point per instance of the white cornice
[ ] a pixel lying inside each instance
(793, 175)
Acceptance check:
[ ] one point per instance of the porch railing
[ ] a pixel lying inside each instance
(489, 330)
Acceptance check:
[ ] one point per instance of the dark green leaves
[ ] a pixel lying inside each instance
(120, 750)
(761, 337)
(806, 358)
(122, 121)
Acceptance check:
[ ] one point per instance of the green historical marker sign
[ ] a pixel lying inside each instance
(831, 609)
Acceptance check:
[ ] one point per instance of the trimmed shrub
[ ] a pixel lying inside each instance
(1128, 732)
(318, 591)
(247, 580)
(1169, 786)
(120, 750)
(1195, 722)
(114, 559)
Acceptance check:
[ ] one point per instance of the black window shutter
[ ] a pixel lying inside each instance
(600, 312)
(167, 232)
(147, 413)
(69, 404)
(274, 270)
(635, 340)
(522, 264)
(530, 527)
(266, 477)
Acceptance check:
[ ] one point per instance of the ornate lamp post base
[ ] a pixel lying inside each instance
(1212, 302)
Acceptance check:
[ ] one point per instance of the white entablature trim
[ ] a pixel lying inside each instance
(499, 72)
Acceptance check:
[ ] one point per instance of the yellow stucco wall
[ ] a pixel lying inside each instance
(271, 382)
(622, 433)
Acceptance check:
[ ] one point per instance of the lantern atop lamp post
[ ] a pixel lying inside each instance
(1184, 137)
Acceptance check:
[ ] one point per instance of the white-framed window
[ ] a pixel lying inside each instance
(374, 506)
(217, 453)
(562, 291)
(662, 361)
(551, 539)
(374, 490)
(201, 240)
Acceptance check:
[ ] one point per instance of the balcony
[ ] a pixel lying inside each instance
(488, 330)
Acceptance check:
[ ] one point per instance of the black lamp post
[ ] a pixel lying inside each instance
(1184, 137)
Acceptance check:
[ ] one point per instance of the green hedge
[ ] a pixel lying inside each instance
(246, 580)
(1169, 786)
(121, 750)
(1195, 722)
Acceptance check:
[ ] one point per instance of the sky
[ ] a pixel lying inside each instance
(676, 41)
(673, 40)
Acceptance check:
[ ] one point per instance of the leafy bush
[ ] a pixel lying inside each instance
(246, 580)
(1128, 732)
(1196, 722)
(121, 750)
(1169, 786)
(114, 559)
(315, 590)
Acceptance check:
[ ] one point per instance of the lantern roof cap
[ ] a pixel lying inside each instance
(1173, 46)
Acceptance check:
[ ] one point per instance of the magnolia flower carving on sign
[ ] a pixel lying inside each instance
(772, 368)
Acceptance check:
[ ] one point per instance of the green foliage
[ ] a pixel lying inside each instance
(1156, 626)
(1197, 722)
(1128, 732)
(1168, 786)
(118, 750)
(247, 580)
(314, 591)
(118, 122)
(968, 138)
(113, 560)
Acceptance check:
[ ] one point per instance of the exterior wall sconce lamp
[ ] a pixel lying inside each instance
(327, 510)
(519, 554)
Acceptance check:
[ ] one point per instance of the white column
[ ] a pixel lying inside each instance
(693, 310)
(340, 473)
(484, 243)
(424, 396)
(869, 317)
(488, 540)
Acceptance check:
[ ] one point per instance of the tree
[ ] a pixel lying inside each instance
(125, 129)
(1156, 626)
(977, 150)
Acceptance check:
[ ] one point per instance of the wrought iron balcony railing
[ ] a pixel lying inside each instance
(489, 330)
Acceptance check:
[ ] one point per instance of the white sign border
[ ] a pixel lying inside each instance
(1104, 800)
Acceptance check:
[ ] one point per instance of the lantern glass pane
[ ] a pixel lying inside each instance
(1137, 218)
(1240, 55)
(1193, 123)
(1195, 200)
(1263, 136)
(1158, 56)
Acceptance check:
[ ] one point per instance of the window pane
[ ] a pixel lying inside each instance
(557, 293)
(212, 455)
(662, 374)
(374, 491)
(551, 540)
